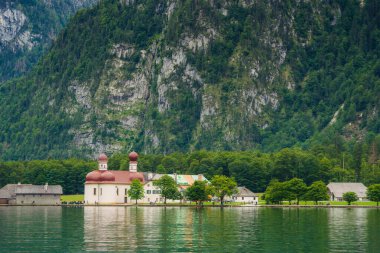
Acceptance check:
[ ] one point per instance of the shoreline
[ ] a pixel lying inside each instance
(205, 206)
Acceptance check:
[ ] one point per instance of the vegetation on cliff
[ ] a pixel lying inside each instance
(177, 76)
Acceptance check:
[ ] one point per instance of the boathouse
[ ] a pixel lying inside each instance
(28, 194)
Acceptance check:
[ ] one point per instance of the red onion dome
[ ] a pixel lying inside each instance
(133, 156)
(93, 176)
(107, 176)
(136, 176)
(103, 157)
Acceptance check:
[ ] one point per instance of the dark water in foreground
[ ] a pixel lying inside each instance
(173, 229)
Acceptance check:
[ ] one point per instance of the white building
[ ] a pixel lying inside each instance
(336, 190)
(244, 195)
(105, 186)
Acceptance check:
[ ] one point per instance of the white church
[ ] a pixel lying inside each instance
(105, 186)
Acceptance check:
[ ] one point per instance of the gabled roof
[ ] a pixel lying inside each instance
(244, 192)
(8, 191)
(338, 189)
(11, 190)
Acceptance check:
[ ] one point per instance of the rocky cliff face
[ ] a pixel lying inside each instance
(165, 76)
(11, 35)
(27, 28)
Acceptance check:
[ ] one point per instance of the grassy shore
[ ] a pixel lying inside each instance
(77, 198)
(72, 198)
(331, 203)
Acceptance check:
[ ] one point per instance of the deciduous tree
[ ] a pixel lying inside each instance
(276, 192)
(223, 186)
(373, 193)
(350, 197)
(168, 187)
(317, 192)
(137, 190)
(198, 192)
(296, 187)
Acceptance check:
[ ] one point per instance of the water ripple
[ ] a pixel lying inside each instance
(172, 229)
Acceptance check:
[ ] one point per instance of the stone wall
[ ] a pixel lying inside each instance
(38, 199)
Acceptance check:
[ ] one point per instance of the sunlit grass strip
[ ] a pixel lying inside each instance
(72, 198)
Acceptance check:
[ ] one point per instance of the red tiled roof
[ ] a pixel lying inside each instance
(121, 177)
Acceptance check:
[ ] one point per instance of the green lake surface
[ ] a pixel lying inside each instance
(184, 229)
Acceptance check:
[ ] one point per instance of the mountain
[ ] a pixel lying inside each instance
(179, 75)
(27, 29)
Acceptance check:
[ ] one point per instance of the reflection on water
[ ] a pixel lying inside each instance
(173, 229)
(21, 228)
(347, 224)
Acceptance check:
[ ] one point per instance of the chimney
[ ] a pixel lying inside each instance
(200, 177)
(46, 187)
(175, 177)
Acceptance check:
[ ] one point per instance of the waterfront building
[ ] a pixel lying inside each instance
(105, 186)
(244, 195)
(336, 190)
(28, 194)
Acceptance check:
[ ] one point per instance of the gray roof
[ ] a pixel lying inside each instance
(11, 190)
(8, 191)
(39, 189)
(244, 192)
(338, 189)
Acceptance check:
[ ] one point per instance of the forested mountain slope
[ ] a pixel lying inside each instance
(179, 75)
(27, 28)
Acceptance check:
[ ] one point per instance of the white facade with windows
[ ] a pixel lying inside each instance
(245, 196)
(105, 186)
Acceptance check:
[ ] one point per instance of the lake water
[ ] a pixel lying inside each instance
(175, 229)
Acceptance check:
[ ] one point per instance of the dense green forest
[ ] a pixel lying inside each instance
(253, 169)
(271, 75)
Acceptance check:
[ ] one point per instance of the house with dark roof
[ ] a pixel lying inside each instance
(27, 194)
(336, 190)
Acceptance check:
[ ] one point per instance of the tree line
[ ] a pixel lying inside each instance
(252, 169)
(296, 189)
